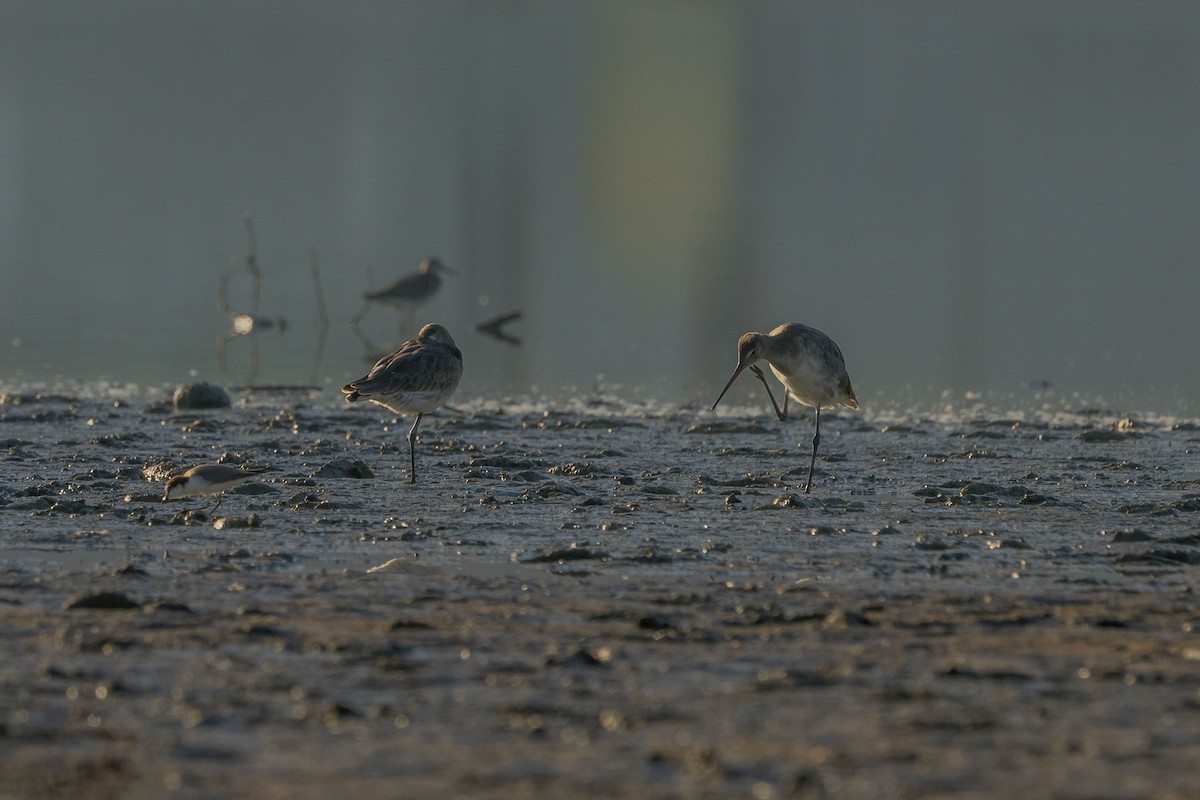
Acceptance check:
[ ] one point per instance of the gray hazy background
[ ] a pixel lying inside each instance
(964, 195)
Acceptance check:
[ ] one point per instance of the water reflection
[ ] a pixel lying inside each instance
(966, 196)
(495, 327)
(247, 325)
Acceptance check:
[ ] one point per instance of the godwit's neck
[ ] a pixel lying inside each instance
(771, 346)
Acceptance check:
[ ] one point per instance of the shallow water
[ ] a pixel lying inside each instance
(635, 582)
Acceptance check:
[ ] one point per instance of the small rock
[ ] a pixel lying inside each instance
(251, 520)
(254, 489)
(409, 625)
(102, 600)
(196, 396)
(31, 504)
(304, 500)
(655, 622)
(580, 658)
(574, 552)
(170, 606)
(575, 470)
(980, 488)
(1130, 535)
(1095, 435)
(344, 468)
(845, 617)
(340, 711)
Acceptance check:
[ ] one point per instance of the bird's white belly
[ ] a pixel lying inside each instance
(807, 383)
(415, 402)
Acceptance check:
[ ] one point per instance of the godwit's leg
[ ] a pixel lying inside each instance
(816, 441)
(220, 497)
(781, 414)
(412, 455)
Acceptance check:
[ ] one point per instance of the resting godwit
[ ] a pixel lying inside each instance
(415, 379)
(809, 365)
(208, 479)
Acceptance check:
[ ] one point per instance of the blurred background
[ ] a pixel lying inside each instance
(966, 196)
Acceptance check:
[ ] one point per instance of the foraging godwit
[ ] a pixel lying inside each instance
(415, 379)
(809, 365)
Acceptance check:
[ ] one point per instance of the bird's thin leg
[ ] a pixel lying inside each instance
(412, 455)
(816, 441)
(781, 414)
(786, 397)
(220, 497)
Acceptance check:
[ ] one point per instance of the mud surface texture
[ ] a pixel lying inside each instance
(597, 599)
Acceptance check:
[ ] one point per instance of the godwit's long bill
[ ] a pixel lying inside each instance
(415, 379)
(809, 365)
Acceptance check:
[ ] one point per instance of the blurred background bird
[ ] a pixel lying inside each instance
(407, 293)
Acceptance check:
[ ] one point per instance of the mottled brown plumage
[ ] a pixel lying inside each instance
(416, 379)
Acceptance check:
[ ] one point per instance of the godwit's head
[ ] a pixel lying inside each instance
(434, 266)
(750, 351)
(433, 332)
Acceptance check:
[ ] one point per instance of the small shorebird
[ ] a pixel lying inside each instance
(408, 291)
(809, 365)
(415, 379)
(208, 479)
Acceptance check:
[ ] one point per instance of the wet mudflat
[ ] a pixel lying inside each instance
(597, 598)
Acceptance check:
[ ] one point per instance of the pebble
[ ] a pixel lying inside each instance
(199, 396)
